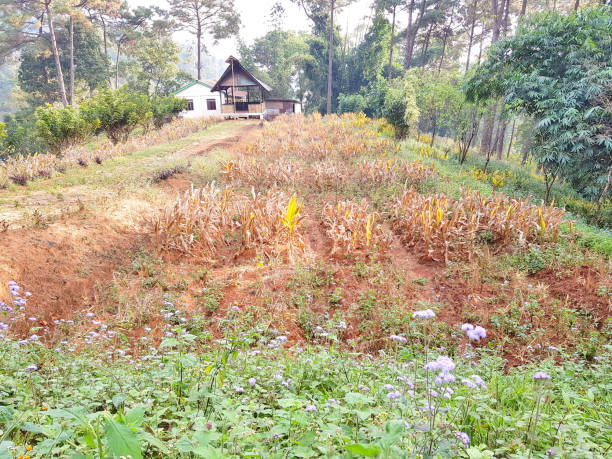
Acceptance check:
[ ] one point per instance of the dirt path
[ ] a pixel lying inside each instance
(119, 187)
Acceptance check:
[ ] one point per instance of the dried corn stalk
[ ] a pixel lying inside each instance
(444, 228)
(271, 222)
(352, 227)
(198, 219)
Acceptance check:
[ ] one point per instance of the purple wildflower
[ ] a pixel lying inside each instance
(426, 314)
(463, 437)
(540, 375)
(442, 363)
(311, 408)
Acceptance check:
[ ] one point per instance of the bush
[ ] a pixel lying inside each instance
(164, 109)
(117, 112)
(351, 103)
(400, 107)
(62, 127)
(21, 136)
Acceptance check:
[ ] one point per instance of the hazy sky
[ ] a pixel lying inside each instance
(254, 14)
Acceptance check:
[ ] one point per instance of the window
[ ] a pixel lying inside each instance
(211, 104)
(190, 104)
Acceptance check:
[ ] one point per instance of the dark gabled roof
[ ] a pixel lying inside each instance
(238, 66)
(191, 84)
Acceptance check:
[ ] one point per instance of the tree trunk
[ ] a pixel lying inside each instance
(105, 35)
(71, 61)
(58, 64)
(426, 47)
(469, 50)
(523, 8)
(511, 138)
(487, 135)
(450, 24)
(199, 45)
(390, 70)
(409, 39)
(433, 132)
(498, 18)
(501, 136)
(330, 63)
(117, 65)
(576, 5)
(482, 37)
(527, 143)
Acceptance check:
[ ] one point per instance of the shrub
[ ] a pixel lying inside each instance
(351, 103)
(400, 108)
(165, 174)
(62, 127)
(117, 112)
(164, 109)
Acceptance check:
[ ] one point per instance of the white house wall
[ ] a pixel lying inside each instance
(200, 94)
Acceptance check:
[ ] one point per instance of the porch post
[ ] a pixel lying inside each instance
(233, 86)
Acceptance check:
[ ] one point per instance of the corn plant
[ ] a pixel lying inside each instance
(442, 228)
(198, 219)
(352, 227)
(271, 225)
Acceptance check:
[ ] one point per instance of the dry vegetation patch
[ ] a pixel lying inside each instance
(353, 227)
(442, 228)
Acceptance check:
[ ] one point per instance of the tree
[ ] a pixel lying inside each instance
(390, 6)
(437, 97)
(153, 62)
(557, 69)
(351, 103)
(104, 12)
(215, 17)
(278, 57)
(125, 28)
(400, 107)
(37, 75)
(314, 8)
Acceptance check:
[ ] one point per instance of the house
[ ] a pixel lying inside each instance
(201, 101)
(244, 96)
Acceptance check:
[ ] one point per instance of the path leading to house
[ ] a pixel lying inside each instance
(124, 185)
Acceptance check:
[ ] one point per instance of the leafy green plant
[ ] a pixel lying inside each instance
(63, 127)
(117, 112)
(165, 108)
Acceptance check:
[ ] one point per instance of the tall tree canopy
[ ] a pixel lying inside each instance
(558, 69)
(217, 18)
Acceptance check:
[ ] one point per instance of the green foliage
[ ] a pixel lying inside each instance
(351, 103)
(37, 74)
(400, 107)
(86, 404)
(277, 59)
(164, 109)
(62, 127)
(117, 112)
(558, 69)
(153, 63)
